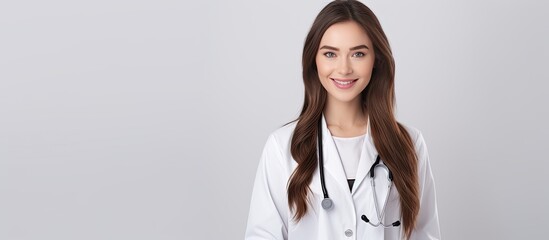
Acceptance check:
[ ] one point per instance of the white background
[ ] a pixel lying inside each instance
(146, 119)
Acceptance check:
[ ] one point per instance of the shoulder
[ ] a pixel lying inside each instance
(415, 134)
(418, 140)
(276, 156)
(282, 136)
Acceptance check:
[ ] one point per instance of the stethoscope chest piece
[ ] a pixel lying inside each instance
(327, 203)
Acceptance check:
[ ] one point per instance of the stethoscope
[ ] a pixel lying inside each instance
(327, 203)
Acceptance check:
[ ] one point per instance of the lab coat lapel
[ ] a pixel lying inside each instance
(367, 158)
(332, 162)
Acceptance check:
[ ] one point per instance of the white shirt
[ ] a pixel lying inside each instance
(349, 149)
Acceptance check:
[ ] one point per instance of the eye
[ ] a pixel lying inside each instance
(329, 54)
(359, 54)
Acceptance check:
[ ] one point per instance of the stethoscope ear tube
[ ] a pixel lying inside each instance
(395, 224)
(376, 164)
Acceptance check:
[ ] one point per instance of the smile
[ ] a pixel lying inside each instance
(344, 83)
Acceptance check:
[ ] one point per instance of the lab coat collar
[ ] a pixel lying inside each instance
(332, 161)
(367, 158)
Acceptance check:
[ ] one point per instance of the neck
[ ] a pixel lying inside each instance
(345, 115)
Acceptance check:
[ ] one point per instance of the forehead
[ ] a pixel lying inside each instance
(345, 35)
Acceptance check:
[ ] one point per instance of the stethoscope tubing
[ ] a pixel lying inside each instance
(327, 203)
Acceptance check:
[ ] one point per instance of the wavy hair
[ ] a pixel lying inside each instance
(391, 140)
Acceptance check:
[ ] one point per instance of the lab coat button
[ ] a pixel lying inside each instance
(348, 232)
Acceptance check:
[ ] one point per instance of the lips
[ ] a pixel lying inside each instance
(344, 83)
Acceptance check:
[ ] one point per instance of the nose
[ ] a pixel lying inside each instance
(345, 67)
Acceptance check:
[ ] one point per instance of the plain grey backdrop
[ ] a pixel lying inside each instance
(146, 119)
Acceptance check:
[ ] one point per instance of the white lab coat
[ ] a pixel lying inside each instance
(270, 216)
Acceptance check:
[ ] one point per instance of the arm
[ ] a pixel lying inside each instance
(268, 214)
(427, 226)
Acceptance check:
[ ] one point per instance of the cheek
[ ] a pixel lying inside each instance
(365, 68)
(323, 68)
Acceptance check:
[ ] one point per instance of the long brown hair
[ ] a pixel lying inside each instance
(391, 140)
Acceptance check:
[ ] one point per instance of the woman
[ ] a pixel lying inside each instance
(314, 179)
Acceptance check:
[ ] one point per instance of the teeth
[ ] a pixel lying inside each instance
(343, 83)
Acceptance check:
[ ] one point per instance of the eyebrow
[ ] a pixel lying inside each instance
(352, 49)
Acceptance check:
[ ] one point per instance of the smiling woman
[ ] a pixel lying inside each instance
(345, 61)
(347, 128)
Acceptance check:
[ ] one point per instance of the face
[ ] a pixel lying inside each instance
(344, 60)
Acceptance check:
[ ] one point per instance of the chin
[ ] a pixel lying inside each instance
(346, 98)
